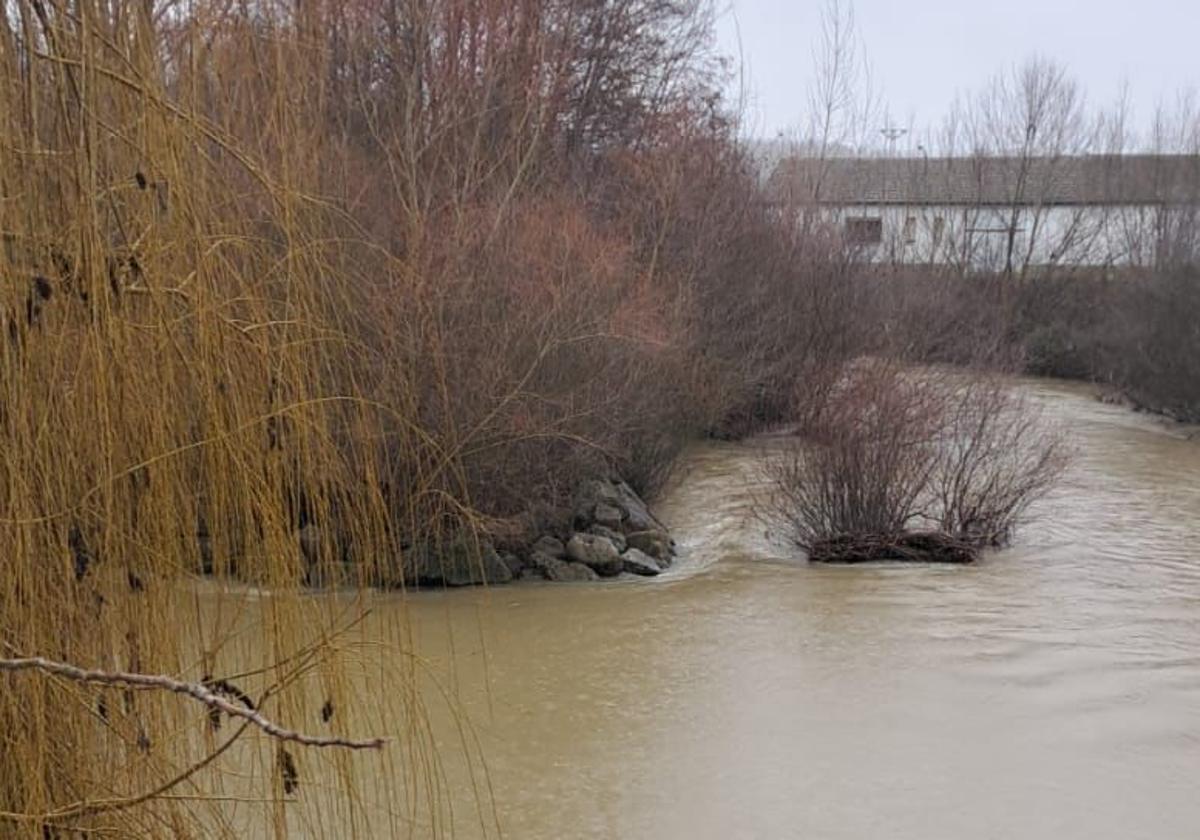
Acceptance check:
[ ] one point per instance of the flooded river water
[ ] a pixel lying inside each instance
(1051, 690)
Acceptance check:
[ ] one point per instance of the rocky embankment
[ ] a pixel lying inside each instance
(612, 533)
(615, 533)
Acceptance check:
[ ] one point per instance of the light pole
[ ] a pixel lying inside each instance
(892, 134)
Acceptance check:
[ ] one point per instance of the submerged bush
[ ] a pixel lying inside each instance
(905, 465)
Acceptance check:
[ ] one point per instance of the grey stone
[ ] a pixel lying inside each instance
(592, 493)
(597, 553)
(550, 545)
(654, 542)
(562, 571)
(616, 537)
(637, 514)
(538, 564)
(571, 571)
(514, 563)
(639, 563)
(456, 563)
(607, 515)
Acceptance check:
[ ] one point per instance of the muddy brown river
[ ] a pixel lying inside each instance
(1051, 690)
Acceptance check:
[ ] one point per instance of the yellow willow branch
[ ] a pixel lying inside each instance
(196, 691)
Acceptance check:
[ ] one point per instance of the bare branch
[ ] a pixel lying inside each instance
(196, 691)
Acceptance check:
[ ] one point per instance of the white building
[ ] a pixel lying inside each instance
(1004, 213)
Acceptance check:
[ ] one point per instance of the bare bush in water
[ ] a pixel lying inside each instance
(864, 463)
(906, 465)
(995, 456)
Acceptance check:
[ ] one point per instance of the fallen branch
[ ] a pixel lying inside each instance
(196, 691)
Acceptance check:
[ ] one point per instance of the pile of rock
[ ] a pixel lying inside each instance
(614, 532)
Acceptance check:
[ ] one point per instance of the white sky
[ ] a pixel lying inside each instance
(923, 52)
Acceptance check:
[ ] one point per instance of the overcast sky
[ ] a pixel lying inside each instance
(925, 51)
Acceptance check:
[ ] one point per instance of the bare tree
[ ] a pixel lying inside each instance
(1020, 131)
(842, 101)
(839, 69)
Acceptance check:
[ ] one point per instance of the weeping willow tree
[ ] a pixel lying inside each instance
(181, 394)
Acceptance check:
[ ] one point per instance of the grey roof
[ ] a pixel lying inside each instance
(974, 181)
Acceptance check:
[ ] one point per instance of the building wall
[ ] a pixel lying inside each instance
(977, 238)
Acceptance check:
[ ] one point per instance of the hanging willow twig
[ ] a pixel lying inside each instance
(196, 691)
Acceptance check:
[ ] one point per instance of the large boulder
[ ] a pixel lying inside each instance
(609, 516)
(460, 562)
(592, 494)
(655, 542)
(637, 514)
(639, 563)
(552, 546)
(616, 537)
(514, 563)
(614, 505)
(597, 553)
(553, 568)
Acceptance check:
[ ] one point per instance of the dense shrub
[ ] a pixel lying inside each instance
(1151, 350)
(1131, 330)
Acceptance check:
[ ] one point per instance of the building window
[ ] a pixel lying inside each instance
(939, 226)
(910, 230)
(864, 230)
